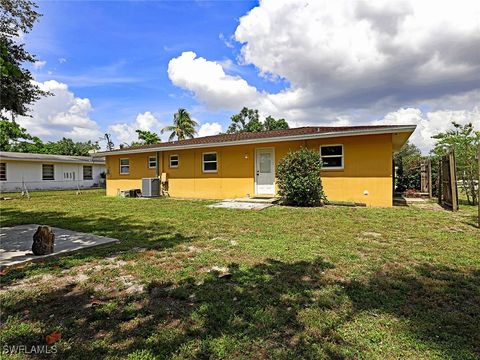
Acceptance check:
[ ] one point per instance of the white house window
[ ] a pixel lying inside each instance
(173, 161)
(332, 157)
(48, 172)
(152, 162)
(3, 171)
(209, 162)
(124, 166)
(87, 172)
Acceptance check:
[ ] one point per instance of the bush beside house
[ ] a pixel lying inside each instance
(298, 177)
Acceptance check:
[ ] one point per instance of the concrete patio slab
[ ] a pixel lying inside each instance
(240, 205)
(16, 243)
(262, 200)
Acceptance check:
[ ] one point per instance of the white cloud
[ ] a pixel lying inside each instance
(353, 54)
(348, 62)
(125, 132)
(62, 114)
(429, 123)
(62, 60)
(208, 129)
(39, 64)
(208, 81)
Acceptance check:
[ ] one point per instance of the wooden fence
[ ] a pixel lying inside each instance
(426, 177)
(447, 182)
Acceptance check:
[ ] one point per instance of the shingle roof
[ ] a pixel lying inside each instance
(4, 155)
(246, 136)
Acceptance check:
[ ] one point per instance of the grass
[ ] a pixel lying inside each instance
(331, 282)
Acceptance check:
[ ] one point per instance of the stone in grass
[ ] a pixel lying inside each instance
(43, 241)
(222, 271)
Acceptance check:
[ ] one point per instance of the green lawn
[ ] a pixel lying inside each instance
(333, 282)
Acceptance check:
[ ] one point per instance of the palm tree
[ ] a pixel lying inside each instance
(183, 126)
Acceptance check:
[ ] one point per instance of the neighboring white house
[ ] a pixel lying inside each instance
(48, 172)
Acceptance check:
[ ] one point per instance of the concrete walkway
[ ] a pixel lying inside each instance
(16, 243)
(245, 203)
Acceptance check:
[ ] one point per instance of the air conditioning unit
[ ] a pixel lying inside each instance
(150, 187)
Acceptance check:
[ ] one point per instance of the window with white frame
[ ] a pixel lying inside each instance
(3, 171)
(209, 162)
(87, 172)
(48, 172)
(332, 157)
(174, 160)
(152, 162)
(124, 166)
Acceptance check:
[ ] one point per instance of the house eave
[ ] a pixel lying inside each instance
(333, 134)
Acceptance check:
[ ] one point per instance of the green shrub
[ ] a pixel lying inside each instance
(298, 178)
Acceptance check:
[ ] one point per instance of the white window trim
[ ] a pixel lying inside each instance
(170, 161)
(330, 156)
(120, 165)
(152, 157)
(53, 167)
(209, 162)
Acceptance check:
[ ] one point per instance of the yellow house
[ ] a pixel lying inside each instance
(357, 163)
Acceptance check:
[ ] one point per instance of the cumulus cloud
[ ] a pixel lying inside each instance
(208, 81)
(124, 133)
(429, 123)
(350, 62)
(63, 114)
(208, 129)
(353, 54)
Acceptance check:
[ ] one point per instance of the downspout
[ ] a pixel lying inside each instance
(157, 169)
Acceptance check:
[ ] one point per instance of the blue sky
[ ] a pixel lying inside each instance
(117, 53)
(115, 66)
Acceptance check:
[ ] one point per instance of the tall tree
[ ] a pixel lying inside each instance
(247, 120)
(17, 88)
(272, 124)
(464, 140)
(147, 137)
(183, 126)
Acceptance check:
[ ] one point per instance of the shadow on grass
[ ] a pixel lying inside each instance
(133, 236)
(271, 310)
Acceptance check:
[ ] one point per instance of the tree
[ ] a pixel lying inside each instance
(298, 178)
(17, 88)
(272, 124)
(464, 141)
(10, 134)
(15, 138)
(408, 162)
(67, 146)
(147, 137)
(183, 126)
(247, 120)
(110, 144)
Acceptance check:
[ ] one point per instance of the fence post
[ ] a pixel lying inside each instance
(429, 176)
(439, 181)
(453, 180)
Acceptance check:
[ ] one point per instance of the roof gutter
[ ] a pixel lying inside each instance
(333, 134)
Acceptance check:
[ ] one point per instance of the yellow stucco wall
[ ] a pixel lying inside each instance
(366, 177)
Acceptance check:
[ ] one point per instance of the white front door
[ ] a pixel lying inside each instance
(265, 172)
